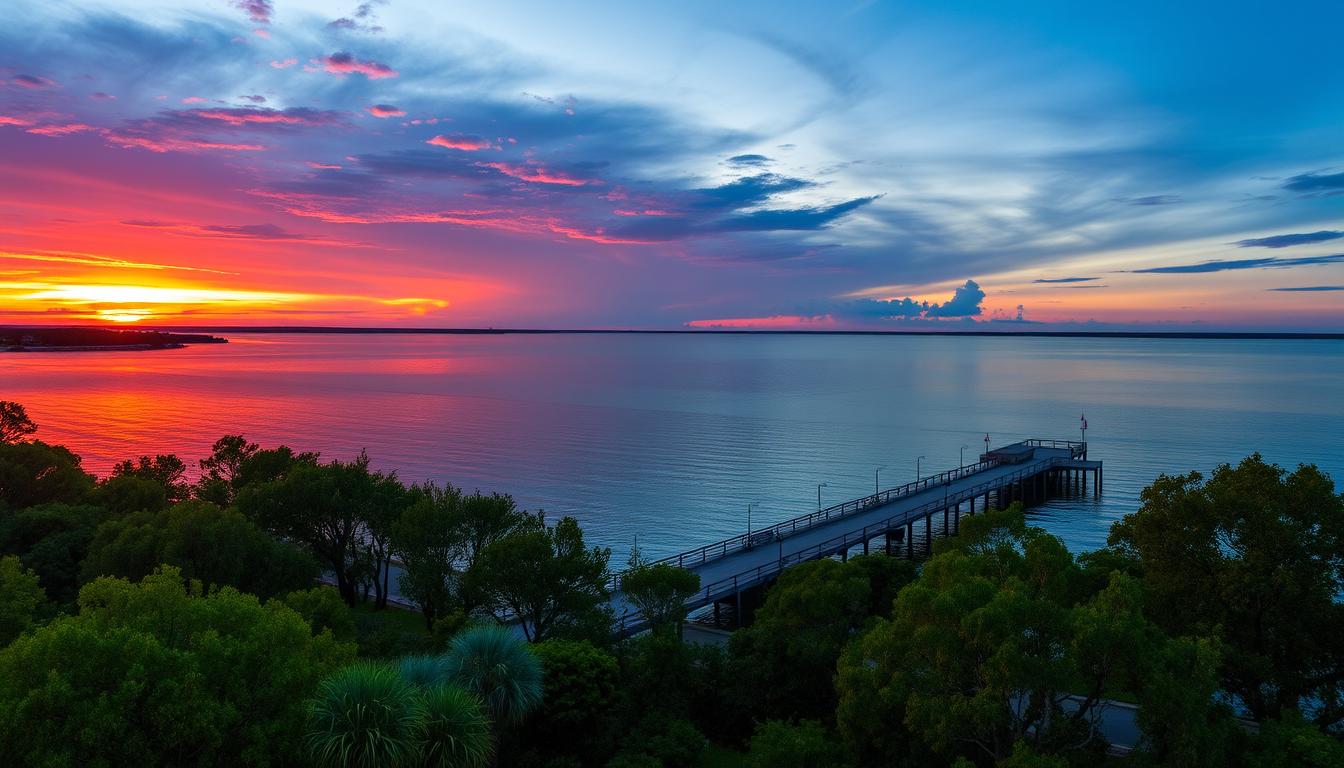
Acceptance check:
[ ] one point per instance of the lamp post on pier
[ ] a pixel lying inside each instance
(819, 487)
(877, 488)
(963, 455)
(749, 506)
(917, 460)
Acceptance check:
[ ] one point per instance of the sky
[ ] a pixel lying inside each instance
(855, 164)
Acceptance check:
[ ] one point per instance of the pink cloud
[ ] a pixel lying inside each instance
(194, 100)
(265, 116)
(16, 121)
(458, 141)
(284, 63)
(258, 11)
(386, 110)
(539, 175)
(100, 96)
(60, 129)
(33, 81)
(343, 63)
(170, 144)
(326, 166)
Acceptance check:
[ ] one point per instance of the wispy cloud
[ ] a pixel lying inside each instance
(1065, 279)
(94, 260)
(1264, 263)
(1309, 288)
(33, 81)
(1285, 241)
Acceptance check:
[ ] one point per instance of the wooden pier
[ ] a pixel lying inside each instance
(902, 518)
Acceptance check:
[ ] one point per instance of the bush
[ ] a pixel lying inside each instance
(323, 608)
(366, 715)
(782, 745)
(499, 667)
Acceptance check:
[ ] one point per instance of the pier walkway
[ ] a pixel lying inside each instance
(1028, 471)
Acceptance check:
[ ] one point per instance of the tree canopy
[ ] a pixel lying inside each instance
(215, 546)
(14, 422)
(1251, 556)
(545, 577)
(161, 672)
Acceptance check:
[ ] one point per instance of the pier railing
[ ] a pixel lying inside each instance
(631, 621)
(771, 533)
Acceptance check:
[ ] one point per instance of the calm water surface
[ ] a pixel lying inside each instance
(670, 437)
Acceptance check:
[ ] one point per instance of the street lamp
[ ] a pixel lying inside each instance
(917, 460)
(819, 487)
(749, 506)
(876, 487)
(963, 455)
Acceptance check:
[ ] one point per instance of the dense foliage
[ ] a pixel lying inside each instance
(162, 616)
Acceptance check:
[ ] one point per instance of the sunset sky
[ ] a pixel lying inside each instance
(851, 164)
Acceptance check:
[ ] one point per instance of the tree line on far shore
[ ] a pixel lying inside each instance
(146, 618)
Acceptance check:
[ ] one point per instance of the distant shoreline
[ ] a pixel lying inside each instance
(763, 332)
(22, 339)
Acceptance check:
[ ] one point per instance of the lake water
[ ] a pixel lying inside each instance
(669, 437)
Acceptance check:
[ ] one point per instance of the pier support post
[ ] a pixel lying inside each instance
(910, 541)
(928, 535)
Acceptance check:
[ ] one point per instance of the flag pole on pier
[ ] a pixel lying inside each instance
(1082, 417)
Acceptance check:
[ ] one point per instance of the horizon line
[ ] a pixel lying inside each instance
(374, 330)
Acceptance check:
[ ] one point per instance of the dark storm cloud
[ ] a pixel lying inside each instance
(1284, 241)
(1223, 266)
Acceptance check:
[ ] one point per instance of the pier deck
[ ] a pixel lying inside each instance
(1022, 471)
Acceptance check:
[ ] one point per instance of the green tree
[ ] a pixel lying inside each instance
(323, 609)
(777, 744)
(124, 494)
(52, 540)
(1293, 743)
(167, 470)
(500, 669)
(14, 422)
(1252, 557)
(545, 577)
(162, 673)
(485, 520)
(20, 597)
(428, 538)
(221, 471)
(326, 507)
(659, 592)
(783, 665)
(34, 473)
(580, 683)
(990, 647)
(215, 546)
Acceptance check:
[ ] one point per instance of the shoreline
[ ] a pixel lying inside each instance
(348, 330)
(93, 348)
